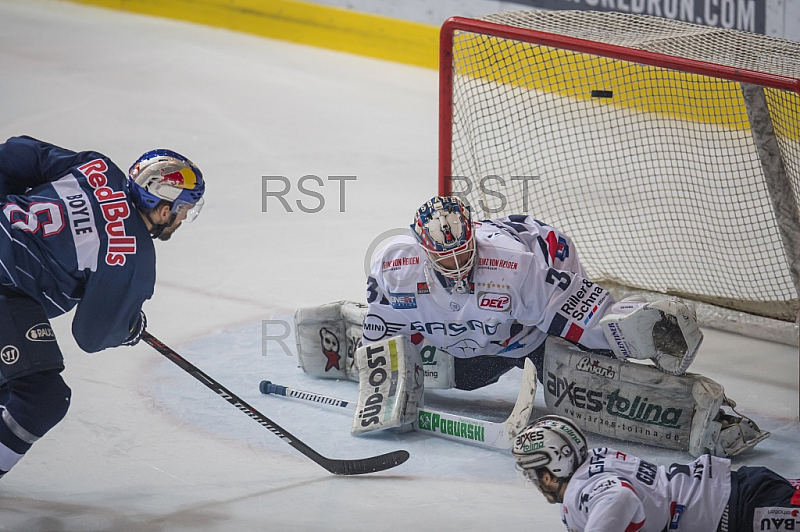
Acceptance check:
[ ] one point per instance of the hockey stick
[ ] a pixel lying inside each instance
(451, 426)
(337, 467)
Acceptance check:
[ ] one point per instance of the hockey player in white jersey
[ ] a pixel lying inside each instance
(500, 287)
(606, 490)
(474, 299)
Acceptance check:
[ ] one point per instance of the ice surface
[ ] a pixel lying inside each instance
(145, 447)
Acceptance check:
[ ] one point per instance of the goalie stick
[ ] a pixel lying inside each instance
(337, 467)
(451, 426)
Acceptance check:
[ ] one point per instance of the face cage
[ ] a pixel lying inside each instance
(461, 271)
(527, 476)
(191, 209)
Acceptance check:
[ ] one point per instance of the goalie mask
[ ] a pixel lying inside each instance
(443, 226)
(164, 175)
(553, 444)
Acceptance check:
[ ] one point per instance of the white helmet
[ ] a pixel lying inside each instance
(166, 176)
(551, 443)
(443, 227)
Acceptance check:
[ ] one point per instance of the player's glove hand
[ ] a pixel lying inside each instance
(136, 332)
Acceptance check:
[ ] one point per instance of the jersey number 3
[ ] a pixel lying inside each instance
(44, 216)
(560, 279)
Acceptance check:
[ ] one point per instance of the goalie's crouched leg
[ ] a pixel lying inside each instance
(639, 403)
(477, 372)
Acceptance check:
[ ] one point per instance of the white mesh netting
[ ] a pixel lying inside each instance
(654, 172)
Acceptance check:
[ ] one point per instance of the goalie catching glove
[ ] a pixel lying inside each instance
(665, 331)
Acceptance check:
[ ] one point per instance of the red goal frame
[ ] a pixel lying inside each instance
(455, 24)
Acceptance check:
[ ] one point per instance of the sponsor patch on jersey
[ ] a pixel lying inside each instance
(394, 264)
(422, 288)
(496, 264)
(403, 300)
(41, 332)
(376, 328)
(602, 487)
(495, 301)
(9, 354)
(584, 300)
(776, 518)
(115, 210)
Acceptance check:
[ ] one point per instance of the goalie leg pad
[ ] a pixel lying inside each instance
(327, 337)
(665, 331)
(638, 403)
(390, 385)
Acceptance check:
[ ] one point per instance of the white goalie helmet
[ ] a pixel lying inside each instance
(443, 227)
(551, 443)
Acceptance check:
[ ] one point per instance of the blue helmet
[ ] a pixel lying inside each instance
(164, 175)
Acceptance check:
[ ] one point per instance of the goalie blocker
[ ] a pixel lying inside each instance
(636, 402)
(390, 385)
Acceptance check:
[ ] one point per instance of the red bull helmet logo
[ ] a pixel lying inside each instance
(183, 178)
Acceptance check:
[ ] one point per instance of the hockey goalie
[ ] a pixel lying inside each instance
(465, 301)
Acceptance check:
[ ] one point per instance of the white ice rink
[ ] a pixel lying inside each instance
(145, 447)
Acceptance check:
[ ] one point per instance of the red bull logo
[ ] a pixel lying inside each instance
(183, 178)
(115, 209)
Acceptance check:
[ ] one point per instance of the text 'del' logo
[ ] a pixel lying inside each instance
(494, 301)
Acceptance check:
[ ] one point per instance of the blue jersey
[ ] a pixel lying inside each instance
(70, 235)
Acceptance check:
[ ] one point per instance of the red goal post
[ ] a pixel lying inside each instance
(669, 151)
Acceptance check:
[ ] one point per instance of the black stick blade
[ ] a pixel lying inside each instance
(365, 465)
(337, 467)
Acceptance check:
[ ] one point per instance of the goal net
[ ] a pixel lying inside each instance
(669, 152)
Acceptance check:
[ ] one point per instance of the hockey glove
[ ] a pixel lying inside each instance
(137, 330)
(664, 331)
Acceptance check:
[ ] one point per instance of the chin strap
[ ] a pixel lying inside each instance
(157, 229)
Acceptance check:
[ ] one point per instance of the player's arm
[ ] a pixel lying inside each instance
(612, 506)
(110, 311)
(26, 163)
(564, 303)
(383, 320)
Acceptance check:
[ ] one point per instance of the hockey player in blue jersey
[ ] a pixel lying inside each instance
(75, 231)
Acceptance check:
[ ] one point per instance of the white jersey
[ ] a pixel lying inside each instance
(614, 492)
(526, 283)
